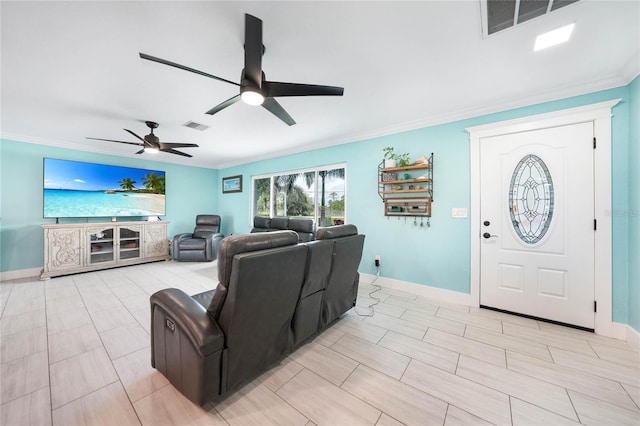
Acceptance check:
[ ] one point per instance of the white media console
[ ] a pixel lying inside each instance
(80, 247)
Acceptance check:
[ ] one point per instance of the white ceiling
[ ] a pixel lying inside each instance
(71, 70)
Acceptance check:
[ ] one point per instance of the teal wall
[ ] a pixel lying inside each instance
(438, 256)
(634, 204)
(189, 191)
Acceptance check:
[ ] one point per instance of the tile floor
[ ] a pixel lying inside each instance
(75, 350)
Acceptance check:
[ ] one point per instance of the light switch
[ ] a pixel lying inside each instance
(459, 212)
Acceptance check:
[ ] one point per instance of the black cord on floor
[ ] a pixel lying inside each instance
(376, 288)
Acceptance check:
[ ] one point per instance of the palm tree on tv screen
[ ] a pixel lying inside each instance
(127, 184)
(154, 183)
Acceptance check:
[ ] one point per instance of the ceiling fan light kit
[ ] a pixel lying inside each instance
(251, 97)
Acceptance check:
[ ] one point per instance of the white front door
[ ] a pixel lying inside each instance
(537, 251)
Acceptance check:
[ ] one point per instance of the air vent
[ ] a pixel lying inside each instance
(194, 125)
(502, 14)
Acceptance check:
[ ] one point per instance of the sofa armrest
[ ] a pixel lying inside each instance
(213, 236)
(191, 317)
(209, 236)
(216, 242)
(184, 236)
(211, 247)
(175, 242)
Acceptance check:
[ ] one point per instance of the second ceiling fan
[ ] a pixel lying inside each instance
(254, 88)
(151, 143)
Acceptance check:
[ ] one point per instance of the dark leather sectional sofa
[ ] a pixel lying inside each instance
(302, 226)
(273, 295)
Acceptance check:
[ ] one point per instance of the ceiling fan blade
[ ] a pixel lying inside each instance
(136, 136)
(275, 89)
(111, 140)
(175, 151)
(141, 151)
(276, 109)
(223, 105)
(166, 145)
(182, 67)
(253, 49)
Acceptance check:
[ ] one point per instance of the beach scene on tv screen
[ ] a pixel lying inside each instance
(77, 189)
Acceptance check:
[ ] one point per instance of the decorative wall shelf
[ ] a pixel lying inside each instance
(406, 191)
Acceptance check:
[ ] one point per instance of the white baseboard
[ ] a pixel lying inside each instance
(633, 337)
(440, 294)
(614, 330)
(20, 273)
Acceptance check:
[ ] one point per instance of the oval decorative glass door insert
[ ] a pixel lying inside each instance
(531, 199)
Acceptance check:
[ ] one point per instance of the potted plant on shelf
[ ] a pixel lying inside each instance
(403, 159)
(391, 159)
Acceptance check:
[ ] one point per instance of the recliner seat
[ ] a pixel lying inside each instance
(273, 295)
(202, 244)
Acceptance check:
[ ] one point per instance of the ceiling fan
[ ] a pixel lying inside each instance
(254, 89)
(151, 143)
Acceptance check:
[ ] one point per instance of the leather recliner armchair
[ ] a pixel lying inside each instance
(202, 244)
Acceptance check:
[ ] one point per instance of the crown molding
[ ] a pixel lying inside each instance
(78, 147)
(556, 94)
(624, 77)
(609, 82)
(631, 69)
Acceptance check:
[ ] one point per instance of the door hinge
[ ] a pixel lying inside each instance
(595, 224)
(594, 142)
(595, 306)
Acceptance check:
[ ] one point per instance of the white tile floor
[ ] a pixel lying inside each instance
(75, 350)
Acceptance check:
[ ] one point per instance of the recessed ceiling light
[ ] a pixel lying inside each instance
(551, 38)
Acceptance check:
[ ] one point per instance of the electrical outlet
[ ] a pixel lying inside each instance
(376, 260)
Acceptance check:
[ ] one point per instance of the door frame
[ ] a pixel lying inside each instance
(600, 114)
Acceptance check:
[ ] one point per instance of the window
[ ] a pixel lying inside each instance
(531, 199)
(318, 194)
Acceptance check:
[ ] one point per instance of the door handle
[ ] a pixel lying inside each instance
(488, 235)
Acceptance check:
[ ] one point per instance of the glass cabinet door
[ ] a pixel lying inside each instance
(101, 245)
(129, 243)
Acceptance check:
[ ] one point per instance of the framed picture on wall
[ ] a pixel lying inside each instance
(232, 184)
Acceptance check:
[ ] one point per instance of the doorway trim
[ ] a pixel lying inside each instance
(600, 114)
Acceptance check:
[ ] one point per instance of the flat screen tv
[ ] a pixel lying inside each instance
(78, 189)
